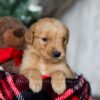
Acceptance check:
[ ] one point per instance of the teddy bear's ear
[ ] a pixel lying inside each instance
(19, 32)
(29, 36)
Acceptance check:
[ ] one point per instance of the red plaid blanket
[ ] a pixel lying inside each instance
(14, 86)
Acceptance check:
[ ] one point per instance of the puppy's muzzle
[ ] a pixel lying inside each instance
(56, 54)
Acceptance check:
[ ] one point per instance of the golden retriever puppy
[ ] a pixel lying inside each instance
(46, 55)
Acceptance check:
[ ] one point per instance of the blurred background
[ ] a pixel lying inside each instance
(82, 17)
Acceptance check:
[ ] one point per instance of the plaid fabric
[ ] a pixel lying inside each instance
(15, 87)
(12, 85)
(77, 89)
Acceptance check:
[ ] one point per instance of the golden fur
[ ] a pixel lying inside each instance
(42, 38)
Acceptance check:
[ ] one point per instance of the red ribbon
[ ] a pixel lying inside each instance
(7, 54)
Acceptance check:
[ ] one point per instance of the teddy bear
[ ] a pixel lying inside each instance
(12, 42)
(11, 32)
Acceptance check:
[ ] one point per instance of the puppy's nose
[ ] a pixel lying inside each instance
(56, 54)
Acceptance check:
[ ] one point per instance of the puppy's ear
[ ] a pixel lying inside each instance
(29, 36)
(67, 36)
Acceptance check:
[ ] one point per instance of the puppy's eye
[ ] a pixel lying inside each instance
(44, 39)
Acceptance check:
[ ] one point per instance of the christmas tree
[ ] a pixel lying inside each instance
(21, 9)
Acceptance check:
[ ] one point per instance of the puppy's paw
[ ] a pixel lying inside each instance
(35, 85)
(58, 82)
(58, 86)
(34, 77)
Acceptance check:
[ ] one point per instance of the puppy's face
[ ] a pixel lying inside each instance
(49, 38)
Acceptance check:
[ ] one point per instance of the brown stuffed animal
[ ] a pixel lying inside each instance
(11, 35)
(11, 32)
